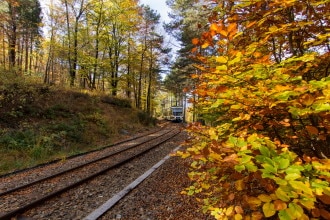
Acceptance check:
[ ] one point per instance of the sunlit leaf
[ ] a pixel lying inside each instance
(298, 185)
(265, 198)
(279, 205)
(281, 194)
(268, 209)
(240, 185)
(295, 210)
(195, 41)
(284, 215)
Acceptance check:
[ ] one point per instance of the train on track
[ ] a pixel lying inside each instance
(175, 114)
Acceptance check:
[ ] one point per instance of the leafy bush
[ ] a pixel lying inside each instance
(267, 152)
(18, 140)
(117, 101)
(146, 119)
(72, 130)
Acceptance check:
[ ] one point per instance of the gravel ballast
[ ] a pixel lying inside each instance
(157, 197)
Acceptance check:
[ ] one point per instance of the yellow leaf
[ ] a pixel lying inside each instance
(265, 198)
(205, 45)
(221, 59)
(222, 68)
(253, 202)
(214, 27)
(281, 88)
(229, 211)
(223, 32)
(273, 29)
(240, 185)
(268, 209)
(238, 217)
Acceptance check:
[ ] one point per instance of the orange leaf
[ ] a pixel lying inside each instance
(239, 210)
(257, 216)
(223, 32)
(253, 202)
(214, 27)
(279, 205)
(195, 41)
(250, 24)
(325, 214)
(312, 129)
(194, 50)
(231, 197)
(322, 137)
(316, 212)
(325, 199)
(307, 99)
(232, 29)
(205, 45)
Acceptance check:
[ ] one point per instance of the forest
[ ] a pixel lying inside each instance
(114, 46)
(256, 74)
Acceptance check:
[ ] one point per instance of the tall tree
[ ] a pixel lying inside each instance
(150, 49)
(21, 25)
(74, 9)
(187, 22)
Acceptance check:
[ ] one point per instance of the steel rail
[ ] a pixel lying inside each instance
(78, 166)
(80, 154)
(16, 212)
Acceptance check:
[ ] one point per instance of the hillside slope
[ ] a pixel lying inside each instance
(39, 123)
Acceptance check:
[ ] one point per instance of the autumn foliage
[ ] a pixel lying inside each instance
(263, 88)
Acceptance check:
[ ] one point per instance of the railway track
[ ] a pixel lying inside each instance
(32, 193)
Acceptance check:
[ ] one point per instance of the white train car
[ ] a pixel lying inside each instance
(176, 114)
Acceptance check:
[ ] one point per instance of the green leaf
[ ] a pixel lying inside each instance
(268, 175)
(292, 176)
(295, 210)
(280, 181)
(264, 151)
(239, 167)
(282, 195)
(283, 163)
(322, 107)
(241, 143)
(245, 159)
(284, 96)
(217, 103)
(294, 169)
(284, 215)
(268, 209)
(298, 185)
(269, 168)
(251, 167)
(232, 140)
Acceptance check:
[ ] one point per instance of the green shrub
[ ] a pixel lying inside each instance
(146, 119)
(117, 101)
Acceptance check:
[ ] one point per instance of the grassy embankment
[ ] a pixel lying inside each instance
(39, 123)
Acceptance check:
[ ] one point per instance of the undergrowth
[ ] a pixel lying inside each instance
(39, 123)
